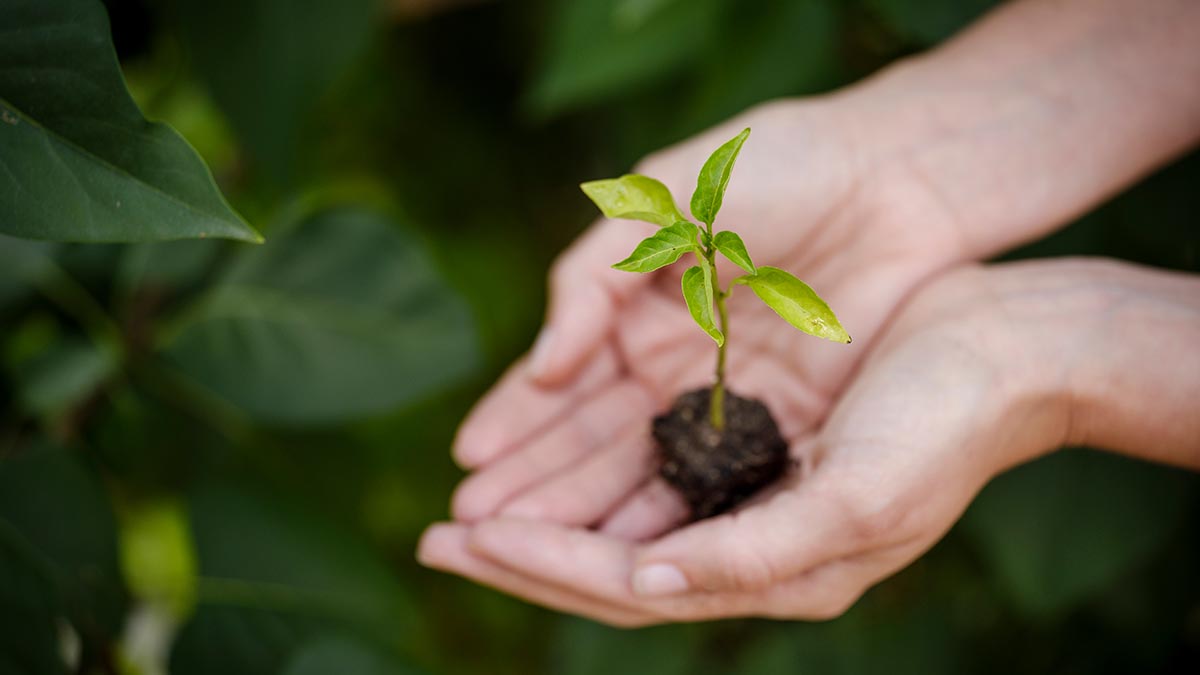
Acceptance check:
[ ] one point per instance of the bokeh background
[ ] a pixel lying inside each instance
(217, 458)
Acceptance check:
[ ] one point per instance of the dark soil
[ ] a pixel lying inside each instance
(716, 470)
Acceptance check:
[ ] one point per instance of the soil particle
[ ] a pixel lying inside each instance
(716, 470)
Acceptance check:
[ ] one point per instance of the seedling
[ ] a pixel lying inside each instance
(756, 441)
(719, 461)
(643, 198)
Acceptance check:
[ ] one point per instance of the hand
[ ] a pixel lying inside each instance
(618, 347)
(982, 370)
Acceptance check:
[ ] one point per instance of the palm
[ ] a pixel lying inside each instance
(863, 235)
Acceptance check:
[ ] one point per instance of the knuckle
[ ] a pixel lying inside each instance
(745, 569)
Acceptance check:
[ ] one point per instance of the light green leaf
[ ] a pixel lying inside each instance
(798, 304)
(698, 293)
(730, 245)
(714, 178)
(269, 63)
(78, 162)
(665, 247)
(342, 316)
(634, 197)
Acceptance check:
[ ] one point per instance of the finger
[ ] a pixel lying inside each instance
(752, 549)
(586, 491)
(594, 424)
(517, 408)
(654, 509)
(444, 547)
(599, 567)
(585, 293)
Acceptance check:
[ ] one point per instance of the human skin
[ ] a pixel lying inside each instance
(1026, 120)
(983, 368)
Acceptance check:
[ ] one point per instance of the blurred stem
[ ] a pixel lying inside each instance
(74, 300)
(716, 401)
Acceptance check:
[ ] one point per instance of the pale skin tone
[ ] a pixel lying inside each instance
(879, 197)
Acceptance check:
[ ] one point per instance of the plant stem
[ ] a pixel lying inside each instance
(716, 401)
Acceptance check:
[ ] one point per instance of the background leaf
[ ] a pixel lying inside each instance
(274, 577)
(634, 197)
(731, 246)
(698, 293)
(927, 22)
(592, 52)
(60, 514)
(798, 304)
(663, 248)
(342, 316)
(1064, 527)
(714, 178)
(344, 655)
(268, 63)
(82, 164)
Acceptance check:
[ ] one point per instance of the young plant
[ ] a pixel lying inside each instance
(643, 198)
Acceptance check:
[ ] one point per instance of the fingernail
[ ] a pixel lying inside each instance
(659, 579)
(540, 359)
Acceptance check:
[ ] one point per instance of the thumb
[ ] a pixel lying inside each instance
(749, 551)
(585, 294)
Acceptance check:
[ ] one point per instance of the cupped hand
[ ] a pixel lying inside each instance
(618, 347)
(965, 382)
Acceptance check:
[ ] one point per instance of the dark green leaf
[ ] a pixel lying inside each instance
(274, 576)
(268, 63)
(634, 197)
(714, 178)
(81, 163)
(798, 304)
(342, 316)
(665, 247)
(336, 654)
(62, 375)
(928, 22)
(1067, 526)
(730, 245)
(698, 293)
(60, 510)
(23, 264)
(28, 626)
(585, 648)
(595, 52)
(801, 33)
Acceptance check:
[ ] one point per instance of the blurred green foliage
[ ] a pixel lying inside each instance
(271, 424)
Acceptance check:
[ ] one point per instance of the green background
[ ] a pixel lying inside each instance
(240, 445)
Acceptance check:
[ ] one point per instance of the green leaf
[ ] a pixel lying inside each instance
(928, 22)
(634, 197)
(801, 33)
(665, 247)
(340, 654)
(63, 374)
(714, 178)
(342, 316)
(274, 576)
(730, 245)
(29, 632)
(798, 304)
(596, 50)
(79, 161)
(1067, 527)
(60, 512)
(268, 63)
(698, 293)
